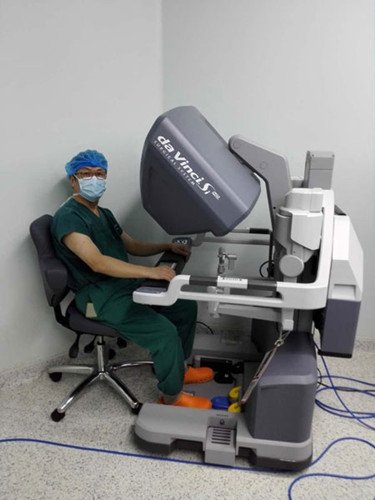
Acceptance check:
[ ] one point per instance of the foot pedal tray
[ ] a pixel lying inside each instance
(220, 446)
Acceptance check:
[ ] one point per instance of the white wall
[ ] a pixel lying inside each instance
(75, 74)
(292, 75)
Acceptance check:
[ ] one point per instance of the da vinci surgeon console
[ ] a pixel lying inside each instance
(192, 183)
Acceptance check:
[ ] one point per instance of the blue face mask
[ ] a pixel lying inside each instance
(92, 189)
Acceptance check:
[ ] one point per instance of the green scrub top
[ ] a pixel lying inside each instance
(105, 232)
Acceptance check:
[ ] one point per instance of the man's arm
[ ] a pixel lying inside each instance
(143, 249)
(86, 250)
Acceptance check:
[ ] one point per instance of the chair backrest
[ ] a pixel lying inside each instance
(54, 272)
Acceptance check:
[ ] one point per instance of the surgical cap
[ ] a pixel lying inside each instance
(89, 158)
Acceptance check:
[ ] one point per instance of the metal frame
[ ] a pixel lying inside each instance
(102, 371)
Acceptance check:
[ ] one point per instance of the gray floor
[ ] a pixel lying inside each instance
(100, 420)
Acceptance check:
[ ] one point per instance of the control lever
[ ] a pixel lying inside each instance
(227, 261)
(170, 259)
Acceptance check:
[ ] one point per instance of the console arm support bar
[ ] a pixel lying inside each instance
(289, 295)
(272, 167)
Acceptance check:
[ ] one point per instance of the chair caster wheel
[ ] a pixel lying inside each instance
(56, 376)
(121, 343)
(137, 409)
(57, 416)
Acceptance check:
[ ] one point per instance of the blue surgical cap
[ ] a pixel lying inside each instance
(89, 158)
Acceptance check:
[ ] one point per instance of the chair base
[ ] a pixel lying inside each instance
(101, 371)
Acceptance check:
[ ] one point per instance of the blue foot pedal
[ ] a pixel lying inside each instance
(220, 403)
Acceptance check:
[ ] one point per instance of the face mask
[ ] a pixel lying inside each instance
(91, 189)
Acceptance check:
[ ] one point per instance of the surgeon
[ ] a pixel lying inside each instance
(93, 246)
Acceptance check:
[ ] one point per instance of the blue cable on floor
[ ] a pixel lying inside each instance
(342, 412)
(346, 413)
(335, 476)
(135, 455)
(325, 407)
(188, 462)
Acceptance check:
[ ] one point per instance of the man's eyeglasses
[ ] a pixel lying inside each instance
(90, 175)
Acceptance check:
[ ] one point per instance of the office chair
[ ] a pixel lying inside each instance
(55, 279)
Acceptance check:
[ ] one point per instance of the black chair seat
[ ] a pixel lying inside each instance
(78, 322)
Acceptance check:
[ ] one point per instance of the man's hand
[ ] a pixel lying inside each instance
(180, 249)
(161, 273)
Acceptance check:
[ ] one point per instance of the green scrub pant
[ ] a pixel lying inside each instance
(166, 332)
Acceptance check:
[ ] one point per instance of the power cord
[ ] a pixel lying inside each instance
(335, 476)
(346, 412)
(343, 412)
(343, 388)
(269, 268)
(191, 462)
(206, 326)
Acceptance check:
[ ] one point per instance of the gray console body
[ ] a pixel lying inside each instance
(191, 182)
(273, 430)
